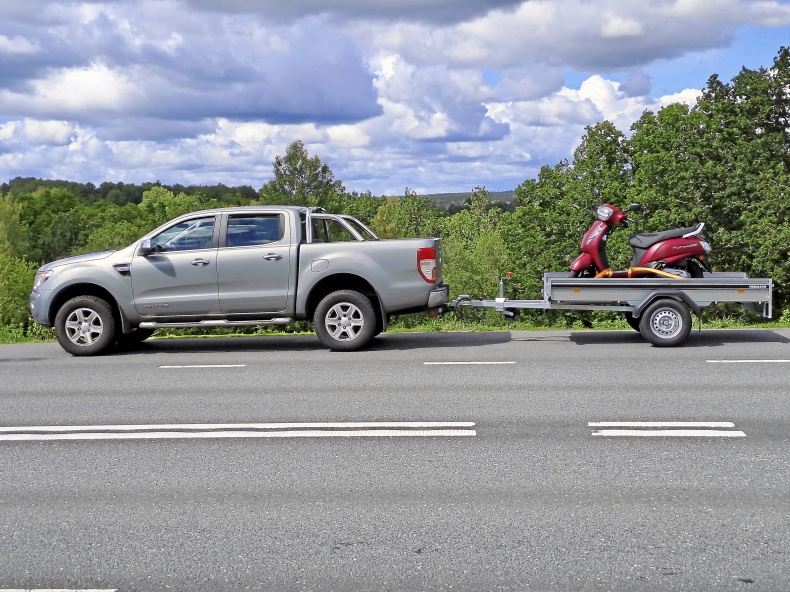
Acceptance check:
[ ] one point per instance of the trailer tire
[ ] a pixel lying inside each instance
(666, 322)
(345, 320)
(85, 326)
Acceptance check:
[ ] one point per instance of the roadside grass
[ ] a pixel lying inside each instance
(462, 321)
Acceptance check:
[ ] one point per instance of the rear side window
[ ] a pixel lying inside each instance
(254, 229)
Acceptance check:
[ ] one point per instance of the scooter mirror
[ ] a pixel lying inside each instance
(633, 208)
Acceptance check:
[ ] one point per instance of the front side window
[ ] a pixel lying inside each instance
(259, 229)
(185, 236)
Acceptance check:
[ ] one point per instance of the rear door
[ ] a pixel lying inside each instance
(180, 277)
(254, 263)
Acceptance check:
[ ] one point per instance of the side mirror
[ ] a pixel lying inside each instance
(633, 208)
(146, 248)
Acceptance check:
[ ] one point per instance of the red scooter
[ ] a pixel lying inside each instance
(680, 253)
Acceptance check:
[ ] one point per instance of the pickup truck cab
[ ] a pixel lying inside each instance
(242, 266)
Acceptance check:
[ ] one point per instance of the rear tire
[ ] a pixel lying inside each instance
(666, 323)
(345, 321)
(85, 326)
(694, 269)
(585, 273)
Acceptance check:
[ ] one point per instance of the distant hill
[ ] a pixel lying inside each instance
(445, 200)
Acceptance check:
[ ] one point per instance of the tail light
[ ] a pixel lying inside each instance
(426, 264)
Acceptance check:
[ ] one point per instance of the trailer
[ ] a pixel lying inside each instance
(659, 308)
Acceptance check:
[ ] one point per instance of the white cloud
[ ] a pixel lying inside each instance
(49, 133)
(17, 45)
(443, 95)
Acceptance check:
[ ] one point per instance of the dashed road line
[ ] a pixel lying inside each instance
(748, 361)
(258, 430)
(687, 429)
(466, 363)
(206, 366)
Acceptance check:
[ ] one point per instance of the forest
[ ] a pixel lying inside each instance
(724, 161)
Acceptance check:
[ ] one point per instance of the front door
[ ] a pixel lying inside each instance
(180, 277)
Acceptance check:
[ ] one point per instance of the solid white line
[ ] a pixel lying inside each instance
(242, 426)
(687, 433)
(235, 434)
(747, 361)
(58, 590)
(465, 363)
(208, 366)
(661, 424)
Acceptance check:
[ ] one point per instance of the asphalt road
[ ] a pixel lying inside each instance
(522, 480)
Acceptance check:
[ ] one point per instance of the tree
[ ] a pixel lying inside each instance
(410, 216)
(302, 181)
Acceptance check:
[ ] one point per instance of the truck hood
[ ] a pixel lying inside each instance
(77, 259)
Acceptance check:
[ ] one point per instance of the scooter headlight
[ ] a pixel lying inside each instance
(604, 213)
(705, 246)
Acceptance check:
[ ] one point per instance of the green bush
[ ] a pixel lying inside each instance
(16, 282)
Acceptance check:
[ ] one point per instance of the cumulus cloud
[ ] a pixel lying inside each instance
(432, 94)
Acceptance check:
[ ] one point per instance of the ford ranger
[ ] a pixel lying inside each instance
(241, 266)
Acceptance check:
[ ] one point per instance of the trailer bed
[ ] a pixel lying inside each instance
(640, 296)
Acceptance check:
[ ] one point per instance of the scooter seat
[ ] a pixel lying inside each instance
(648, 239)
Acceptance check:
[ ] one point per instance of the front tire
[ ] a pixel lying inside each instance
(345, 320)
(585, 273)
(666, 323)
(85, 326)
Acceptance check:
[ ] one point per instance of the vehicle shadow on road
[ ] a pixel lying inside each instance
(706, 338)
(296, 343)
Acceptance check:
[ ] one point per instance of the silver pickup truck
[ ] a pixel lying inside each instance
(252, 265)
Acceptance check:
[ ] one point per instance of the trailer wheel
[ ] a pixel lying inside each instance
(85, 326)
(666, 323)
(345, 320)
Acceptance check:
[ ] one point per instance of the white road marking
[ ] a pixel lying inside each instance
(206, 366)
(694, 429)
(237, 434)
(261, 430)
(58, 590)
(748, 361)
(686, 433)
(661, 424)
(465, 363)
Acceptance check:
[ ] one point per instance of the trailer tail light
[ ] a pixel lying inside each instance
(426, 264)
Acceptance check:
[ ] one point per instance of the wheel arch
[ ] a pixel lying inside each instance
(87, 289)
(345, 281)
(678, 295)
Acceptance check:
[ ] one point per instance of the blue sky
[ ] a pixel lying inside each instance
(434, 95)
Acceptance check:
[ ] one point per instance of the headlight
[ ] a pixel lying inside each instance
(41, 277)
(604, 213)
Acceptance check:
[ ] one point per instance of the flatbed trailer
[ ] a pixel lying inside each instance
(659, 308)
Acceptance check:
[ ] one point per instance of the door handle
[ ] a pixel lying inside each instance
(272, 257)
(200, 262)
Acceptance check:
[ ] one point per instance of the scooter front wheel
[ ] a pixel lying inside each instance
(666, 322)
(585, 273)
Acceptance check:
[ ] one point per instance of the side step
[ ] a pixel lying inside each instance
(217, 323)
